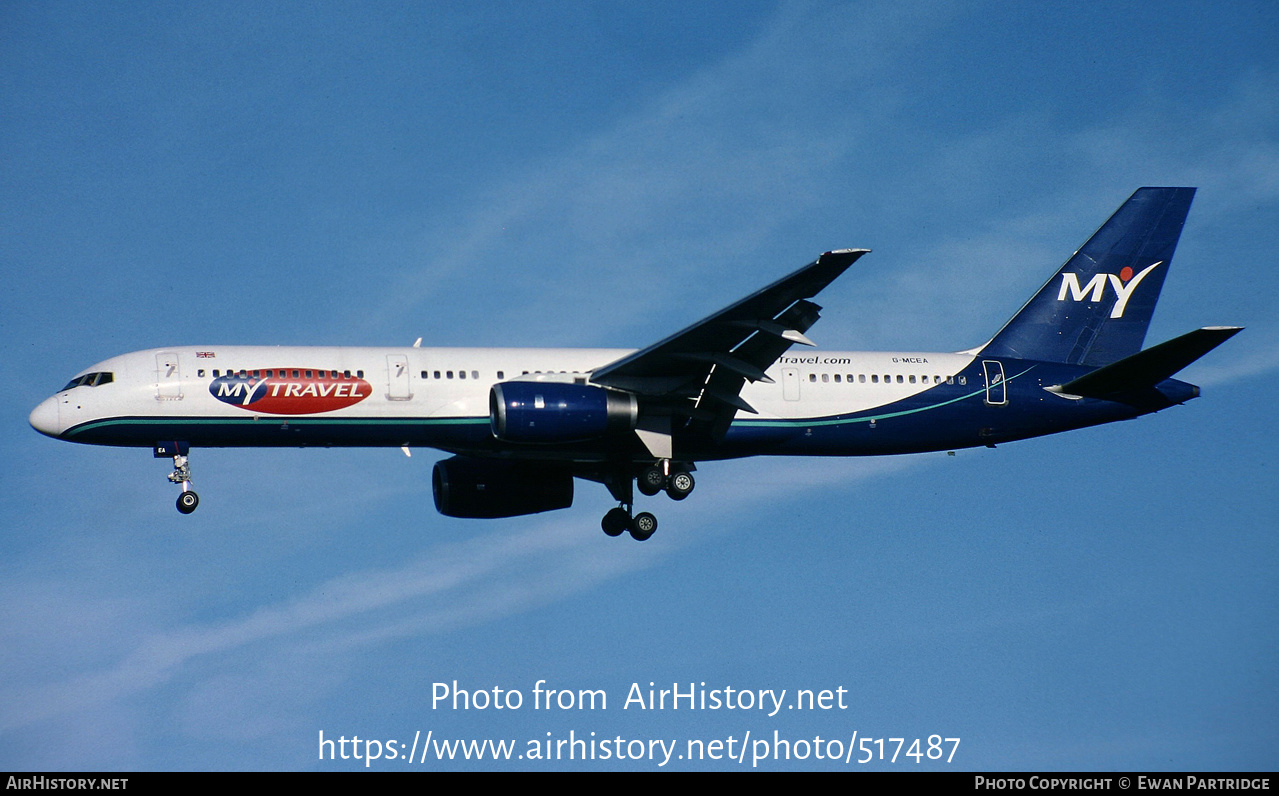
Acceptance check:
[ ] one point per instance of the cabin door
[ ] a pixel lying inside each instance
(397, 370)
(996, 392)
(790, 384)
(168, 377)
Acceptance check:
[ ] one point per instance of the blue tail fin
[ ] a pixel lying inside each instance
(1096, 309)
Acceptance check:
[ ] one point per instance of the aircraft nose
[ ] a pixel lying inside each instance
(44, 418)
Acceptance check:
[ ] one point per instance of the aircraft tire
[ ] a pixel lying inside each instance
(651, 481)
(643, 526)
(187, 502)
(680, 486)
(615, 522)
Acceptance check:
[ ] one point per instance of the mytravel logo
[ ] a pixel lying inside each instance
(1124, 283)
(288, 391)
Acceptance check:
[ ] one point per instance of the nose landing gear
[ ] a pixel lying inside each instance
(181, 475)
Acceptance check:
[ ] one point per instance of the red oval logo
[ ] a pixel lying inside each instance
(277, 392)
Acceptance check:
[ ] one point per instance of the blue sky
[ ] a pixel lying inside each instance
(596, 175)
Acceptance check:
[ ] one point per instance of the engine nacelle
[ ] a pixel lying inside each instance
(489, 488)
(548, 412)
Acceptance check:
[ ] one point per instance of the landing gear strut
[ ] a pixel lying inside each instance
(181, 475)
(676, 480)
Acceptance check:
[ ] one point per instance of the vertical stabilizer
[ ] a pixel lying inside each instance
(1096, 309)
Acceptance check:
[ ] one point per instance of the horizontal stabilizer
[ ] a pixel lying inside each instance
(1145, 369)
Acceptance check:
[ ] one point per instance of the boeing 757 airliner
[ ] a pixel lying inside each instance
(523, 423)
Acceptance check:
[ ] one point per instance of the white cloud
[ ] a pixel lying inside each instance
(448, 587)
(679, 188)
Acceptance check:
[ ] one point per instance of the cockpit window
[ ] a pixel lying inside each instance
(89, 380)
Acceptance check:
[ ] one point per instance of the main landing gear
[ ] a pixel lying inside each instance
(675, 480)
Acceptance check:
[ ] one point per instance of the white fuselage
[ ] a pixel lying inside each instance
(440, 383)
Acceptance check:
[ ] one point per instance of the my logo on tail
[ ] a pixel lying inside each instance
(1124, 284)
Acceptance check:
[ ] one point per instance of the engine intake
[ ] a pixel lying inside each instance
(548, 412)
(490, 488)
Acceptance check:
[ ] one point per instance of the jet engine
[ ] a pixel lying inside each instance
(488, 488)
(550, 412)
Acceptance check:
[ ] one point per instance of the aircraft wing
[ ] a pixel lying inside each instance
(712, 359)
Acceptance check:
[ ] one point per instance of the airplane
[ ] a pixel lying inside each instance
(523, 423)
